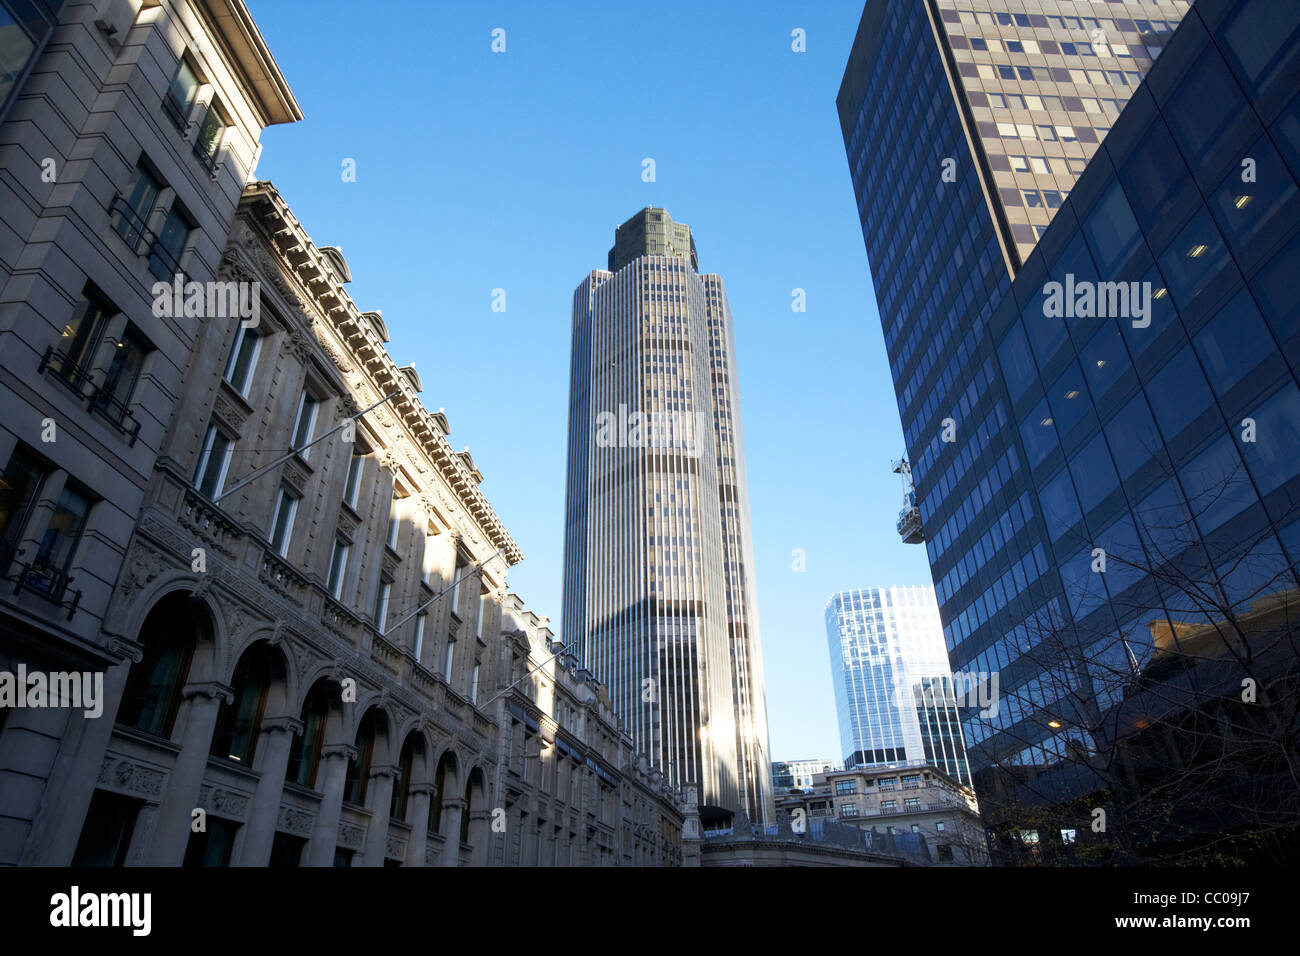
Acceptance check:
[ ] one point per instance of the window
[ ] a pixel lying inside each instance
(888, 783)
(110, 821)
(421, 620)
(1204, 105)
(1243, 209)
(1234, 342)
(239, 722)
(75, 349)
(213, 846)
(456, 586)
(180, 93)
(848, 809)
(945, 852)
(1017, 363)
(1068, 836)
(214, 460)
(473, 684)
(134, 206)
(243, 359)
(210, 135)
(1273, 461)
(843, 787)
(352, 484)
(59, 543)
(358, 776)
(911, 781)
(939, 826)
(888, 804)
(1179, 393)
(152, 696)
(1111, 230)
(916, 828)
(1104, 360)
(393, 524)
(113, 397)
(166, 250)
(338, 565)
(482, 614)
(305, 751)
(286, 850)
(304, 423)
(286, 507)
(381, 604)
(18, 487)
(449, 658)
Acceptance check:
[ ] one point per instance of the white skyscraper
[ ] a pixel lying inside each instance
(892, 682)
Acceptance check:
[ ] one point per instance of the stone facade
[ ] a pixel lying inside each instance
(300, 616)
(911, 798)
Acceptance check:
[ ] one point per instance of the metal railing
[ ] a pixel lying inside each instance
(98, 399)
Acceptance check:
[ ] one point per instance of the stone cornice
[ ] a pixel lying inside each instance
(370, 372)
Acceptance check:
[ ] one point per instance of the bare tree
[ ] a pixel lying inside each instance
(1157, 720)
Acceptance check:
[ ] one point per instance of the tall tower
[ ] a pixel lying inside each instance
(1040, 441)
(893, 688)
(658, 577)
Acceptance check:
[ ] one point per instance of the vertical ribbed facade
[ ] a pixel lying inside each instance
(658, 591)
(893, 688)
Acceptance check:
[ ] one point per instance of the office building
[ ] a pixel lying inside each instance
(913, 798)
(893, 689)
(659, 591)
(790, 775)
(1041, 438)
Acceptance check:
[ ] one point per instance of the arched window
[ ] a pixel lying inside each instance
(153, 687)
(435, 805)
(239, 722)
(402, 785)
(304, 754)
(359, 769)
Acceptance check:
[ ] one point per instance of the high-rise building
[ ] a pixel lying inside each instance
(790, 775)
(1042, 438)
(893, 689)
(659, 593)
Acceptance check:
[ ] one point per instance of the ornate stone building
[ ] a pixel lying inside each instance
(299, 613)
(128, 135)
(573, 789)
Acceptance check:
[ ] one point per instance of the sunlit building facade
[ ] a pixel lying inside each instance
(1036, 437)
(659, 583)
(893, 690)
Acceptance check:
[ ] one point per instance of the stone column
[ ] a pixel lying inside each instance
(57, 829)
(273, 756)
(380, 792)
(451, 811)
(418, 807)
(332, 774)
(181, 794)
(480, 836)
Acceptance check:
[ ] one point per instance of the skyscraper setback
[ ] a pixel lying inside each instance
(658, 579)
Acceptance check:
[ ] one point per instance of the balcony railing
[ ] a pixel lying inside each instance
(49, 582)
(79, 379)
(117, 414)
(130, 225)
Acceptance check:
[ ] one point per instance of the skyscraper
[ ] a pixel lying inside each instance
(893, 689)
(1041, 439)
(658, 580)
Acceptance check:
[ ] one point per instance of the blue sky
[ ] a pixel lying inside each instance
(477, 171)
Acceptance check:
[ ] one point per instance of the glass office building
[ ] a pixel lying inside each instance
(1156, 423)
(659, 591)
(893, 690)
